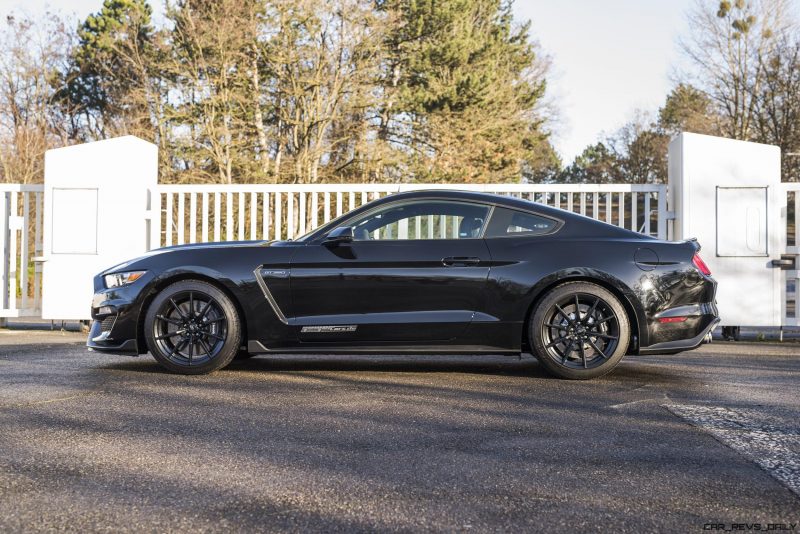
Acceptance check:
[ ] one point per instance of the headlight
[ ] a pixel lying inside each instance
(122, 279)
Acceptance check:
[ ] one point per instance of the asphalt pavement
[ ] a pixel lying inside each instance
(92, 442)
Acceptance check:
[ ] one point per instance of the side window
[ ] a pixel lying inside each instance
(507, 222)
(422, 220)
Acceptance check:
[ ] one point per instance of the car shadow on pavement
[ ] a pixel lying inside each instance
(504, 365)
(630, 370)
(487, 365)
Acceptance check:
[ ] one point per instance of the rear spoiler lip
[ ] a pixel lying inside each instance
(695, 244)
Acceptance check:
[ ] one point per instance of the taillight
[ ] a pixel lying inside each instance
(701, 265)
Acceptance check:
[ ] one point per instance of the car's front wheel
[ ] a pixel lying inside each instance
(192, 327)
(579, 330)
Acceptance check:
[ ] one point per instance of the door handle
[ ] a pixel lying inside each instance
(460, 261)
(785, 264)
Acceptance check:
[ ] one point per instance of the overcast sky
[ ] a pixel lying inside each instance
(610, 57)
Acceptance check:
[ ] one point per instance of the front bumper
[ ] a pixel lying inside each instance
(100, 340)
(115, 316)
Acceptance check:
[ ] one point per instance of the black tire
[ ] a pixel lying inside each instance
(192, 328)
(579, 347)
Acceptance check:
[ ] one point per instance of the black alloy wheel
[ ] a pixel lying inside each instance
(579, 330)
(192, 327)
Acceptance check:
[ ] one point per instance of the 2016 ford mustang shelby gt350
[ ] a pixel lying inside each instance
(433, 272)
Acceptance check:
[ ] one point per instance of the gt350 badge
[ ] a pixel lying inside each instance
(327, 329)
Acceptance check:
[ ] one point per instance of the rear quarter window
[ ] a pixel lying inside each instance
(508, 223)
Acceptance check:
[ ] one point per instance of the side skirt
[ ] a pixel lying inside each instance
(256, 347)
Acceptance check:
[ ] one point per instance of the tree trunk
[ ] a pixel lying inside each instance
(257, 115)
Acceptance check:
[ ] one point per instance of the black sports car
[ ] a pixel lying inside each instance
(434, 272)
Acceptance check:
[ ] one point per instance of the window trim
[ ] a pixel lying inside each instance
(389, 205)
(491, 205)
(559, 223)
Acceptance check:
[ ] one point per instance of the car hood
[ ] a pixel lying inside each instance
(193, 246)
(215, 244)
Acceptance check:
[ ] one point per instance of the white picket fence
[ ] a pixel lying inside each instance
(792, 277)
(21, 242)
(192, 213)
(201, 213)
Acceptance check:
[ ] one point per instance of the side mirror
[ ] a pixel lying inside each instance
(339, 236)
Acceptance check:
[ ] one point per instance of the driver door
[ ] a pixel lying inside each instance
(415, 272)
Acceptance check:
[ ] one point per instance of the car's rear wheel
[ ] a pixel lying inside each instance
(192, 327)
(579, 330)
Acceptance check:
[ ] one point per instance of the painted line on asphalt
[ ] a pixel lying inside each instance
(770, 442)
(662, 398)
(50, 401)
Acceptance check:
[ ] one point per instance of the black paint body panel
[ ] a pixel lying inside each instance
(398, 295)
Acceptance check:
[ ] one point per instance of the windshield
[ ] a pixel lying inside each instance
(327, 227)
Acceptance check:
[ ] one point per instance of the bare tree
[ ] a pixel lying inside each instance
(323, 55)
(727, 43)
(33, 54)
(114, 84)
(778, 103)
(239, 91)
(212, 71)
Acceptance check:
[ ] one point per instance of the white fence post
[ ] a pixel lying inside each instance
(4, 246)
(155, 216)
(662, 213)
(13, 224)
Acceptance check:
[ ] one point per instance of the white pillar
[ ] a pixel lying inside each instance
(96, 199)
(728, 195)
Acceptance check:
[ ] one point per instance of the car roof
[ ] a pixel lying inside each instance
(479, 196)
(486, 198)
